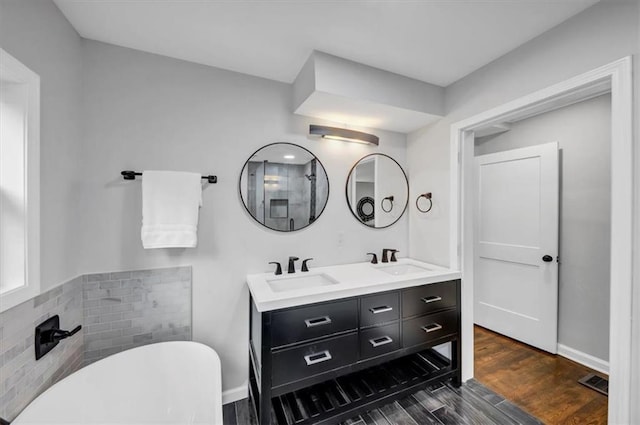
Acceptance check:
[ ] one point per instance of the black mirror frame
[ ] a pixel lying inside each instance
(244, 204)
(346, 191)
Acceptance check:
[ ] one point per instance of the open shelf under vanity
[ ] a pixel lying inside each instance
(326, 362)
(335, 400)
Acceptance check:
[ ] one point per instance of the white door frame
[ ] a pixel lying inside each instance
(615, 78)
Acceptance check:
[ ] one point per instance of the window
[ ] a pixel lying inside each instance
(19, 182)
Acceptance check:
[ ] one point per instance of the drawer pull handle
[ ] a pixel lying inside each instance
(431, 328)
(381, 309)
(377, 342)
(317, 357)
(317, 321)
(431, 299)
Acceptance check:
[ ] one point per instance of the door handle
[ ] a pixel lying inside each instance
(381, 309)
(377, 342)
(432, 327)
(312, 359)
(431, 299)
(547, 258)
(317, 321)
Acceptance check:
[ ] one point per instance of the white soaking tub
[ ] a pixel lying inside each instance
(163, 383)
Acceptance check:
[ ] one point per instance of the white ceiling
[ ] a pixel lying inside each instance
(436, 41)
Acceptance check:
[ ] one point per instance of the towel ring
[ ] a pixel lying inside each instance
(390, 199)
(426, 196)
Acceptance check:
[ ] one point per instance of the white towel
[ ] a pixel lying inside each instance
(170, 203)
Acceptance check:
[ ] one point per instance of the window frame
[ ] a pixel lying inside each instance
(13, 70)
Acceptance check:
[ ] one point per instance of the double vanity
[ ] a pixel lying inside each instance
(329, 344)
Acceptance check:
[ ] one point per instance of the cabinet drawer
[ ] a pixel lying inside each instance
(379, 340)
(304, 323)
(428, 328)
(380, 308)
(297, 363)
(428, 298)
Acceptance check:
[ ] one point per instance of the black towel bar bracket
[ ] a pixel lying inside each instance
(131, 175)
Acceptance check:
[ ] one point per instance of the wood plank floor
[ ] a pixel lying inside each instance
(540, 383)
(471, 404)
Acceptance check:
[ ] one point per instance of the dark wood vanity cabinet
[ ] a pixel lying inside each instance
(326, 362)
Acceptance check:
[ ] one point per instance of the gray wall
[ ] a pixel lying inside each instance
(143, 111)
(38, 35)
(601, 34)
(583, 133)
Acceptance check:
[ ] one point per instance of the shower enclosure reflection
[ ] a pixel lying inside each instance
(284, 187)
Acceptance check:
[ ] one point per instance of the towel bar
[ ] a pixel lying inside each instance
(131, 175)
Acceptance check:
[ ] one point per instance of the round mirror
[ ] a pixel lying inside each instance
(284, 187)
(377, 191)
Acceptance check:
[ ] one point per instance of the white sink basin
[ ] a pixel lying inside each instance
(292, 283)
(400, 269)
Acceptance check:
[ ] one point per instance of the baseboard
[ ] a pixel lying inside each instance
(583, 358)
(235, 394)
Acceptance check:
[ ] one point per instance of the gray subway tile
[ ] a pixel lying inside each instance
(110, 284)
(41, 299)
(142, 338)
(124, 324)
(120, 275)
(98, 277)
(110, 301)
(100, 327)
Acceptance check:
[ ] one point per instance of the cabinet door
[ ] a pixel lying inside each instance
(379, 308)
(379, 340)
(309, 322)
(430, 327)
(428, 298)
(293, 364)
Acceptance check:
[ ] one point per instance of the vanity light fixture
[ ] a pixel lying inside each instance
(343, 134)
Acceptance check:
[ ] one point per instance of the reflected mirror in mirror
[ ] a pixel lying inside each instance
(284, 187)
(377, 191)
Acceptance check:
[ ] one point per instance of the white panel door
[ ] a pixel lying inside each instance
(516, 268)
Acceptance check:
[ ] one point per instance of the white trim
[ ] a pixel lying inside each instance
(619, 75)
(583, 358)
(235, 394)
(12, 69)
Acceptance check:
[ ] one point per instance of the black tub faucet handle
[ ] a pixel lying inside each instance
(305, 267)
(278, 267)
(374, 259)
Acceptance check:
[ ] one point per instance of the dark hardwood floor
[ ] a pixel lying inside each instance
(540, 383)
(471, 404)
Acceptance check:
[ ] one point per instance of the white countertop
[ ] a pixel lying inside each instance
(350, 280)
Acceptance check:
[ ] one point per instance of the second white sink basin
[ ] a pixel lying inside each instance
(300, 282)
(400, 269)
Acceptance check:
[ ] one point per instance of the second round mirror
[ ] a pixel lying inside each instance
(377, 191)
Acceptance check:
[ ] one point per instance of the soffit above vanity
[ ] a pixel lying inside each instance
(339, 90)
